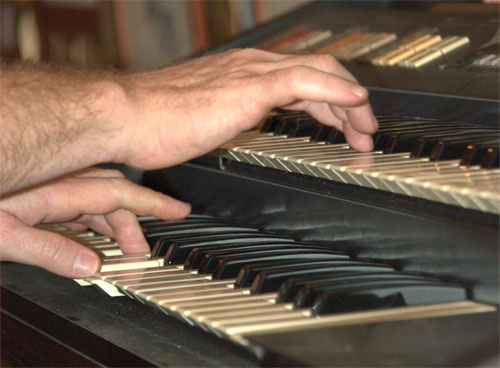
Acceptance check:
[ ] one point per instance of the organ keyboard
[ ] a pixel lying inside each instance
(389, 167)
(238, 285)
(414, 222)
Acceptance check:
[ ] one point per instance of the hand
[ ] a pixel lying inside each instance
(186, 110)
(100, 199)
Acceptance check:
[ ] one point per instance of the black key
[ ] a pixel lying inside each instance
(490, 159)
(403, 142)
(454, 149)
(176, 251)
(146, 219)
(152, 237)
(230, 267)
(381, 137)
(267, 281)
(290, 288)
(386, 296)
(271, 122)
(183, 224)
(424, 146)
(248, 273)
(156, 222)
(283, 127)
(319, 133)
(474, 153)
(306, 294)
(200, 258)
(302, 128)
(335, 136)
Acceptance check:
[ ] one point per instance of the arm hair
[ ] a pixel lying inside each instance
(55, 120)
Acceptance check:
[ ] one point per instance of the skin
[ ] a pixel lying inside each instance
(72, 120)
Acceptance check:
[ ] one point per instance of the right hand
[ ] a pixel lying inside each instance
(183, 111)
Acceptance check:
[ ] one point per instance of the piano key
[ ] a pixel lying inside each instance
(271, 122)
(276, 45)
(184, 306)
(166, 279)
(248, 273)
(303, 128)
(382, 315)
(474, 153)
(173, 225)
(289, 288)
(381, 137)
(306, 294)
(152, 237)
(243, 310)
(450, 43)
(454, 149)
(230, 267)
(490, 158)
(176, 251)
(170, 299)
(403, 142)
(186, 293)
(135, 272)
(196, 255)
(339, 43)
(207, 260)
(259, 318)
(423, 146)
(267, 281)
(149, 274)
(180, 288)
(198, 312)
(392, 295)
(128, 264)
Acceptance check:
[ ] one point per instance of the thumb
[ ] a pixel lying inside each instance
(54, 252)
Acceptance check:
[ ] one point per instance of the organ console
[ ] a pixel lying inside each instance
(301, 250)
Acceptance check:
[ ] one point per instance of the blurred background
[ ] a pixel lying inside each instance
(126, 34)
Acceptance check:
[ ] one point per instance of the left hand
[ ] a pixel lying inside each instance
(102, 200)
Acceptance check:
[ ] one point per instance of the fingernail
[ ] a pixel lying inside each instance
(360, 92)
(85, 264)
(371, 143)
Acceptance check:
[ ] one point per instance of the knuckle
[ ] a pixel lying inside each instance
(328, 61)
(294, 76)
(246, 52)
(127, 229)
(52, 250)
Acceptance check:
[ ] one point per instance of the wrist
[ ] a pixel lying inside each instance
(114, 119)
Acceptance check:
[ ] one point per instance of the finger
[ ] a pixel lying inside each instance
(286, 86)
(96, 196)
(127, 232)
(322, 112)
(95, 172)
(358, 141)
(323, 63)
(299, 84)
(54, 252)
(362, 119)
(97, 223)
(74, 226)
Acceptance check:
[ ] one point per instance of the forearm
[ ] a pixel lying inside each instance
(55, 121)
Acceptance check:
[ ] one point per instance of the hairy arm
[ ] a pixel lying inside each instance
(55, 121)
